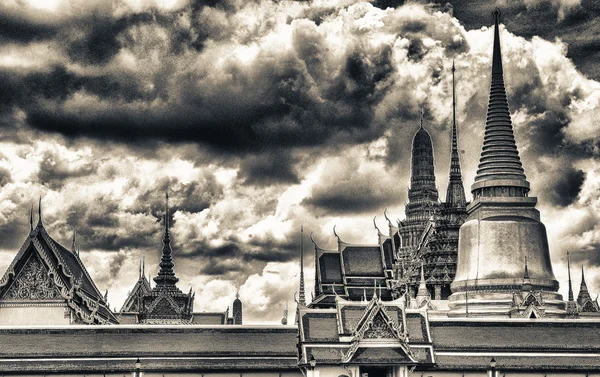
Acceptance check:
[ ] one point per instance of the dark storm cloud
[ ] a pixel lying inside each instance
(567, 186)
(5, 176)
(269, 168)
(345, 188)
(101, 225)
(18, 28)
(194, 196)
(55, 170)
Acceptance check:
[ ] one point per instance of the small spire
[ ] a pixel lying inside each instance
(73, 247)
(422, 292)
(140, 274)
(237, 295)
(302, 294)
(40, 224)
(569, 273)
(421, 122)
(526, 275)
(31, 218)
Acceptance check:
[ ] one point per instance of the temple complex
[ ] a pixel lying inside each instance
(455, 289)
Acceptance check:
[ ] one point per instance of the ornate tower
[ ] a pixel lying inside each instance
(423, 203)
(423, 194)
(166, 303)
(503, 227)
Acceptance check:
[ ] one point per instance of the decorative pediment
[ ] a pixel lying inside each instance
(32, 283)
(380, 328)
(163, 305)
(376, 324)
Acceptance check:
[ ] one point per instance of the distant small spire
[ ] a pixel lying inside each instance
(40, 224)
(31, 218)
(302, 294)
(422, 112)
(73, 246)
(569, 273)
(526, 275)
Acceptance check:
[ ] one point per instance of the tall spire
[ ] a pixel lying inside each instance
(455, 194)
(499, 164)
(166, 275)
(302, 294)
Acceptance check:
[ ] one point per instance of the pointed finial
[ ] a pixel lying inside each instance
(312, 239)
(386, 217)
(569, 274)
(375, 225)
(31, 218)
(167, 235)
(582, 275)
(422, 112)
(526, 275)
(140, 270)
(143, 266)
(335, 234)
(237, 294)
(497, 57)
(40, 224)
(73, 248)
(302, 294)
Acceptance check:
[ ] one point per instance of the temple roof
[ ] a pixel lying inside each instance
(71, 278)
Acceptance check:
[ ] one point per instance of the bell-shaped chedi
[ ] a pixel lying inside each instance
(503, 227)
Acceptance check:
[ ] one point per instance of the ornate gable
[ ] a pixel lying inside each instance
(376, 325)
(32, 283)
(380, 328)
(43, 270)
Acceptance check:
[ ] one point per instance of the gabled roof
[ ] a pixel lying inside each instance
(68, 273)
(140, 289)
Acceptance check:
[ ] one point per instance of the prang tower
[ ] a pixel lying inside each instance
(503, 251)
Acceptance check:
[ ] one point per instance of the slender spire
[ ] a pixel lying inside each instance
(499, 163)
(455, 194)
(31, 218)
(73, 248)
(569, 273)
(302, 294)
(166, 275)
(39, 223)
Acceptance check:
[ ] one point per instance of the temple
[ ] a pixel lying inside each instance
(455, 289)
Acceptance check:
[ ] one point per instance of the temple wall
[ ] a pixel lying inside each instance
(33, 315)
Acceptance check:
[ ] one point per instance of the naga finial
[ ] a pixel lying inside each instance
(375, 225)
(386, 217)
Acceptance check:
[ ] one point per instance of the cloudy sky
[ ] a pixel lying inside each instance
(265, 115)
